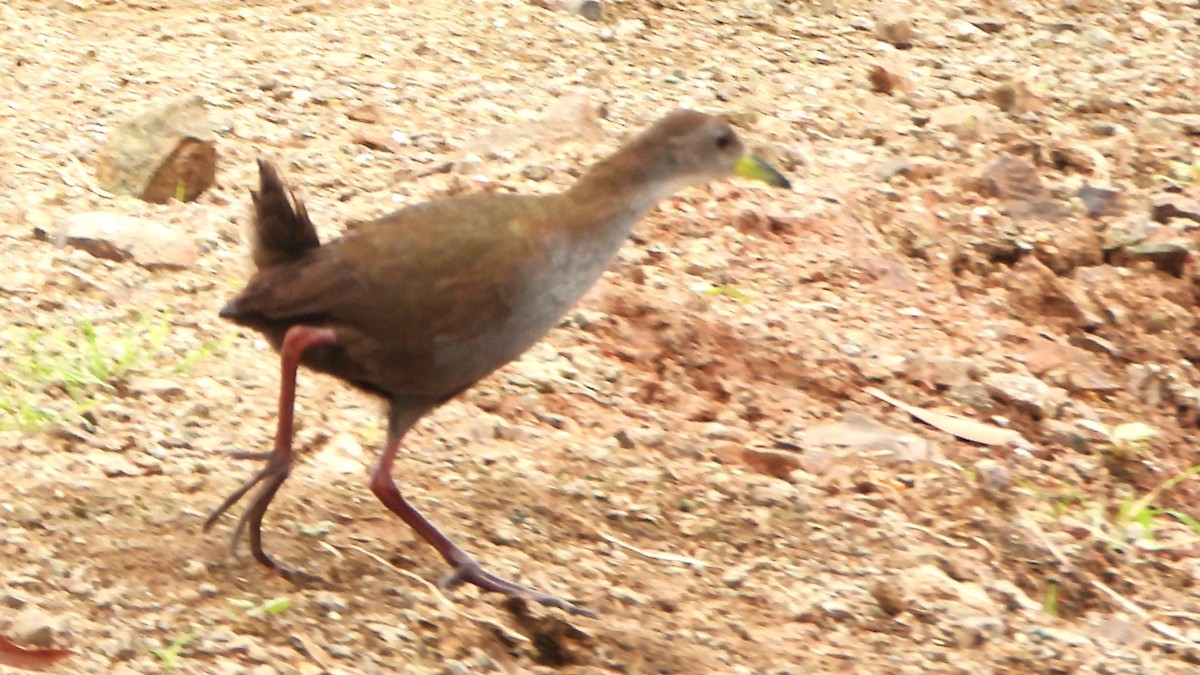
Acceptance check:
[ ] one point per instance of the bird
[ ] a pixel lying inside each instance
(417, 306)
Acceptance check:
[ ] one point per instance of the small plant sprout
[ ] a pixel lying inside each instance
(170, 654)
(1050, 601)
(1184, 172)
(274, 606)
(56, 375)
(1140, 514)
(729, 291)
(1135, 520)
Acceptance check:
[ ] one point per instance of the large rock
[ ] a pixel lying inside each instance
(127, 238)
(166, 153)
(1016, 182)
(1166, 206)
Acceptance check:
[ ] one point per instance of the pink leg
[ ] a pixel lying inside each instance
(298, 340)
(464, 568)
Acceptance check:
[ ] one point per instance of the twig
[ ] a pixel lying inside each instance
(987, 546)
(653, 555)
(955, 425)
(583, 389)
(86, 179)
(1045, 540)
(1128, 605)
(82, 276)
(508, 634)
(318, 655)
(942, 538)
(1191, 616)
(1172, 644)
(1156, 626)
(1121, 600)
(1169, 631)
(437, 592)
(650, 555)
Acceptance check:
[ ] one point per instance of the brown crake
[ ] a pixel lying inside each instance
(419, 305)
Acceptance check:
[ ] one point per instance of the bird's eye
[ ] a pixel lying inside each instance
(725, 139)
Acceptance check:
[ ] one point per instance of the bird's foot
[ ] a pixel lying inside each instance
(468, 571)
(270, 478)
(274, 471)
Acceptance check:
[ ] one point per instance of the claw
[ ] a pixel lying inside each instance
(470, 572)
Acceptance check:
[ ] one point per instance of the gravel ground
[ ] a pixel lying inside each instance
(995, 216)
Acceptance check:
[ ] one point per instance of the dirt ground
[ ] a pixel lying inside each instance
(993, 221)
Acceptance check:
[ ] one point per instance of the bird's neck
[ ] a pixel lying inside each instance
(620, 189)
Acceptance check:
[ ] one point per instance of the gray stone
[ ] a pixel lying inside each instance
(1041, 633)
(1028, 393)
(329, 602)
(592, 10)
(1098, 37)
(993, 475)
(976, 630)
(536, 172)
(1012, 178)
(896, 30)
(943, 371)
(836, 610)
(966, 31)
(972, 394)
(1065, 434)
(33, 627)
(341, 652)
(734, 577)
(897, 165)
(774, 492)
(1168, 256)
(482, 661)
(627, 596)
(1148, 382)
(990, 24)
(1097, 201)
(194, 569)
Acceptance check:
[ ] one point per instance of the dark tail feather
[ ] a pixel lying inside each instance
(282, 231)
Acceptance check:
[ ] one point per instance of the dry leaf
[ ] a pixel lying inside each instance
(962, 427)
(15, 656)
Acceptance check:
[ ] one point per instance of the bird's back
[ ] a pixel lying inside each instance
(425, 301)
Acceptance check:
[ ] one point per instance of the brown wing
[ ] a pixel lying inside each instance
(420, 299)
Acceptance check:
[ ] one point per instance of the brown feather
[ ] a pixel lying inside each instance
(281, 231)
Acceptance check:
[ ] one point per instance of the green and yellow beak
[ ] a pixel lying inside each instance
(750, 166)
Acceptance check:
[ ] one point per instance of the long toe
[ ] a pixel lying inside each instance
(251, 520)
(271, 471)
(470, 572)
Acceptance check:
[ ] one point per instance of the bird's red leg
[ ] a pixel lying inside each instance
(464, 568)
(298, 340)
